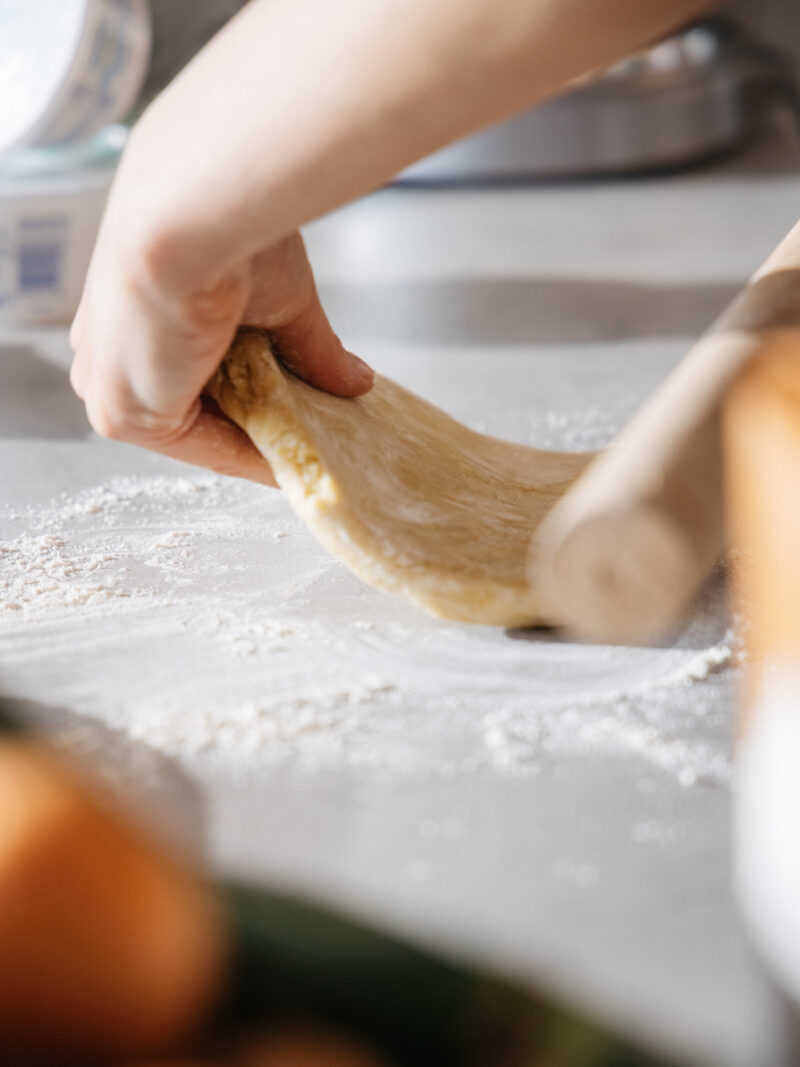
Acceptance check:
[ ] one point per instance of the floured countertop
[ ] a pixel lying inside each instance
(557, 812)
(309, 662)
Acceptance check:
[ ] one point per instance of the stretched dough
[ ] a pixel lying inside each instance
(412, 501)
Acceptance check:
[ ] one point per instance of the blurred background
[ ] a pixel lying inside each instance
(183, 26)
(518, 845)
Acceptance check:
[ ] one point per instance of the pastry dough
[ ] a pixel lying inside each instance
(412, 501)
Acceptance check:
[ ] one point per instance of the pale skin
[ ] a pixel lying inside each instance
(296, 107)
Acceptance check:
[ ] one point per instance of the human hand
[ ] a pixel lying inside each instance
(296, 107)
(146, 341)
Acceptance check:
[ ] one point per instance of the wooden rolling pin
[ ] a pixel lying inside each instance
(621, 555)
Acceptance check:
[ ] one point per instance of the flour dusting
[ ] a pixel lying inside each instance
(226, 634)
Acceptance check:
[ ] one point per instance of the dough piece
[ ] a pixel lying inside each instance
(412, 501)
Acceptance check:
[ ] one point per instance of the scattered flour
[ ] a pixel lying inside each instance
(196, 615)
(63, 563)
(254, 727)
(579, 430)
(658, 718)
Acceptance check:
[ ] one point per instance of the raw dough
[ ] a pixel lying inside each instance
(412, 501)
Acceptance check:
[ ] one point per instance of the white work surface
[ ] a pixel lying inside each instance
(556, 812)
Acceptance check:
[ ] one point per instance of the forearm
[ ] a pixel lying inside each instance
(301, 105)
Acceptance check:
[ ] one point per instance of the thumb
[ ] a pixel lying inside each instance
(308, 346)
(284, 301)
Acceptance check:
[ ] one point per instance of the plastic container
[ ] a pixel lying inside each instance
(69, 67)
(51, 203)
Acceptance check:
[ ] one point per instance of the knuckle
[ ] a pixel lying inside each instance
(111, 420)
(117, 412)
(158, 267)
(221, 303)
(282, 288)
(106, 423)
(147, 253)
(129, 425)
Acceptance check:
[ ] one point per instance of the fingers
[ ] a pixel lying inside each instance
(141, 360)
(308, 346)
(204, 439)
(153, 399)
(284, 300)
(143, 353)
(213, 442)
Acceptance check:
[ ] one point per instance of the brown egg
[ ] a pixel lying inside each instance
(108, 949)
(288, 1048)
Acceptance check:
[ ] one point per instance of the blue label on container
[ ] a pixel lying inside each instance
(8, 273)
(40, 254)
